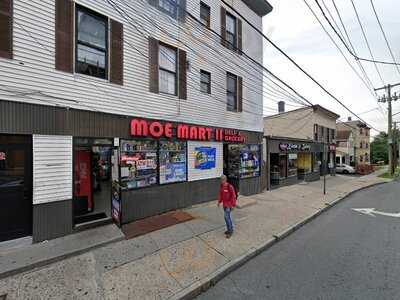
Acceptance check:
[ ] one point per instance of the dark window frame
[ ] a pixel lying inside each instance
(228, 33)
(161, 44)
(169, 13)
(235, 108)
(100, 17)
(203, 72)
(207, 18)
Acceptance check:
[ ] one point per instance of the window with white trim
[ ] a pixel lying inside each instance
(167, 70)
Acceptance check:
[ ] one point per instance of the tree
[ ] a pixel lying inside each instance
(379, 148)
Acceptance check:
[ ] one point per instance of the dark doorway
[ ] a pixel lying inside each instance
(15, 186)
(92, 183)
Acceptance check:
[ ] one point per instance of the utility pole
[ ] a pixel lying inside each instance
(396, 145)
(389, 98)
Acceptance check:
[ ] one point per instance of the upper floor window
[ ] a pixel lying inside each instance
(205, 14)
(231, 92)
(169, 6)
(167, 70)
(205, 82)
(91, 43)
(361, 131)
(361, 145)
(231, 33)
(366, 145)
(316, 132)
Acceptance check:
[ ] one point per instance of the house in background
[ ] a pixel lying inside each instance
(345, 147)
(300, 144)
(361, 140)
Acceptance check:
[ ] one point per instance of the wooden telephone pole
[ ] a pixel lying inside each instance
(389, 98)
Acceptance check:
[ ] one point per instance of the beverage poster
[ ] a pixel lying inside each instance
(205, 158)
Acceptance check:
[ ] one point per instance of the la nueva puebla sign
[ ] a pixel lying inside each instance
(158, 129)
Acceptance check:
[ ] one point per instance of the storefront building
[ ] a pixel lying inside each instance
(300, 145)
(105, 121)
(291, 161)
(113, 168)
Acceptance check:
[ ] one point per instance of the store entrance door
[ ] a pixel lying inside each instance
(15, 187)
(92, 184)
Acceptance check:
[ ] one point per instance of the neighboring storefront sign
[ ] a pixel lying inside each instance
(285, 147)
(2, 156)
(158, 129)
(205, 158)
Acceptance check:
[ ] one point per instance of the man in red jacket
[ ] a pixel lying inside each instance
(227, 196)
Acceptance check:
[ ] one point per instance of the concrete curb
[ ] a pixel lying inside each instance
(210, 280)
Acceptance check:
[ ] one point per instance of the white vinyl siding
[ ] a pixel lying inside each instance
(52, 168)
(33, 66)
(197, 174)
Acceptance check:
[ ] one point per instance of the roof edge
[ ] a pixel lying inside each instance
(260, 7)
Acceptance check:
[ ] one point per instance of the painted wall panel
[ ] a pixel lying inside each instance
(52, 168)
(200, 174)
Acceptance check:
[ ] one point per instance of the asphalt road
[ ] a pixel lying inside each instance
(342, 254)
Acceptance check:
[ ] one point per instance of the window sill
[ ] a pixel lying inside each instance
(90, 78)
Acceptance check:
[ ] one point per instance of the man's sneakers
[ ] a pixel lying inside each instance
(228, 234)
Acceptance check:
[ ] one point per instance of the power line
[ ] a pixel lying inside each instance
(384, 35)
(341, 37)
(366, 41)
(243, 53)
(202, 43)
(354, 51)
(119, 9)
(295, 63)
(338, 48)
(116, 7)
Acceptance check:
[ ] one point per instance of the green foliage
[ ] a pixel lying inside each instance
(386, 175)
(379, 148)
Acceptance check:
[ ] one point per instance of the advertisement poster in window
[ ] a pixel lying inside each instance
(205, 158)
(250, 161)
(173, 162)
(138, 164)
(115, 192)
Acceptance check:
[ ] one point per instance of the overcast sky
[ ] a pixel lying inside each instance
(292, 27)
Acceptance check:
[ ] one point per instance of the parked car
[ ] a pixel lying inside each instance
(345, 169)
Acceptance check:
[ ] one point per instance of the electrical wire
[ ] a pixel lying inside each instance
(385, 36)
(366, 41)
(202, 43)
(243, 53)
(370, 89)
(296, 64)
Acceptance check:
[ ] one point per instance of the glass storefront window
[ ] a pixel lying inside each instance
(138, 164)
(173, 162)
(283, 166)
(317, 162)
(250, 161)
(304, 164)
(292, 164)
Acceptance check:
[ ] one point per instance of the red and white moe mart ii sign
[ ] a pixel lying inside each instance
(156, 129)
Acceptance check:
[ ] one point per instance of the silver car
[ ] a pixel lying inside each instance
(345, 169)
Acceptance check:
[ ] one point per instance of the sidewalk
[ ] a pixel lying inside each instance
(179, 261)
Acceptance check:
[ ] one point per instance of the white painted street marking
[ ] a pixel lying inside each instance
(372, 212)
